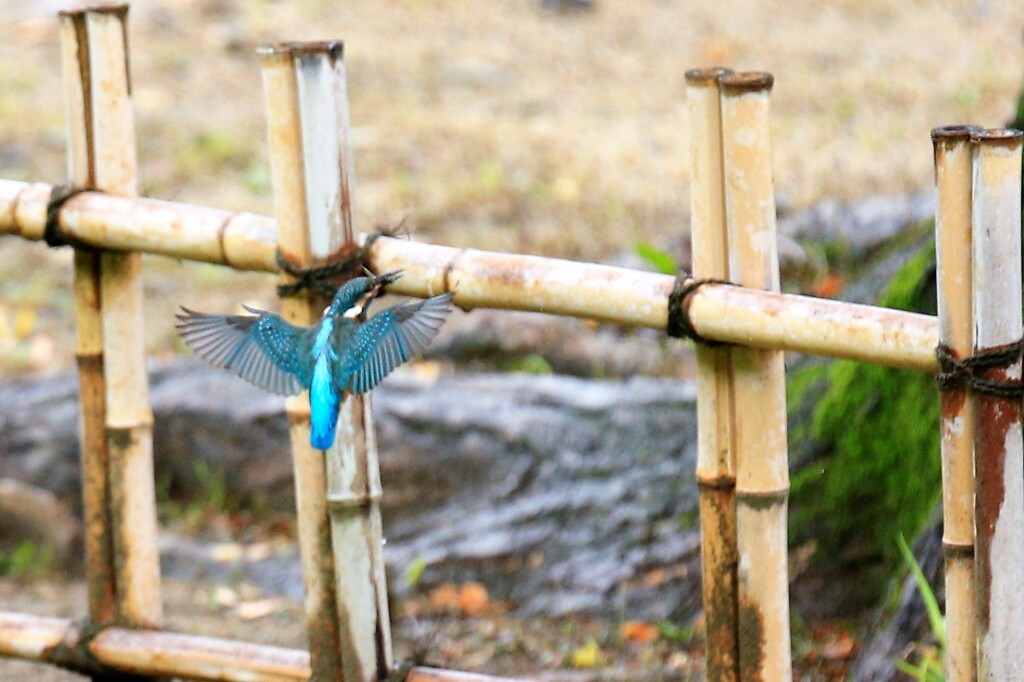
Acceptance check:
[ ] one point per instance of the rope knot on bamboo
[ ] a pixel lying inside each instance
(956, 372)
(53, 235)
(679, 324)
(74, 654)
(325, 279)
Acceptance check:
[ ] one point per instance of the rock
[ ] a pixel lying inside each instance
(513, 340)
(559, 494)
(34, 518)
(860, 226)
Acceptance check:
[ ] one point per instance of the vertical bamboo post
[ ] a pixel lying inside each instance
(337, 492)
(759, 386)
(118, 487)
(953, 167)
(716, 473)
(998, 448)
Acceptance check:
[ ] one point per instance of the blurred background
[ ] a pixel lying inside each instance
(547, 127)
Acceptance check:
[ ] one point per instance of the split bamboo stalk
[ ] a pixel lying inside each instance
(998, 445)
(118, 487)
(759, 386)
(716, 472)
(953, 167)
(338, 491)
(245, 241)
(155, 652)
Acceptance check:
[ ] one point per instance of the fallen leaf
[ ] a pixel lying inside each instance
(24, 322)
(444, 598)
(840, 649)
(679, 661)
(253, 610)
(473, 599)
(223, 596)
(638, 632)
(828, 286)
(427, 370)
(586, 656)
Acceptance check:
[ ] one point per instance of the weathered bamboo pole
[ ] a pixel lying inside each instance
(155, 652)
(759, 386)
(953, 161)
(498, 280)
(118, 488)
(716, 472)
(338, 491)
(998, 445)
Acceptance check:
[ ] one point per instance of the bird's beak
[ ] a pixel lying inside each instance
(381, 281)
(389, 277)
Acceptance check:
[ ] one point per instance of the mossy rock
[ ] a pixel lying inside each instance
(866, 445)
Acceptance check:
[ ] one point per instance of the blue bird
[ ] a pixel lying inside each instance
(337, 356)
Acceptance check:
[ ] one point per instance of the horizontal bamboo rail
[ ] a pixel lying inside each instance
(485, 279)
(155, 652)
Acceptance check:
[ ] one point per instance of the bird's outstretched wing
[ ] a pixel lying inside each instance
(390, 338)
(263, 349)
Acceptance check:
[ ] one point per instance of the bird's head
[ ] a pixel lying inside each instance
(353, 296)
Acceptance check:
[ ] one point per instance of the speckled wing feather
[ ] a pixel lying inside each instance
(263, 349)
(390, 338)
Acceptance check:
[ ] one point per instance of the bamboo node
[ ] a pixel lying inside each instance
(957, 549)
(53, 235)
(955, 372)
(342, 502)
(73, 652)
(679, 324)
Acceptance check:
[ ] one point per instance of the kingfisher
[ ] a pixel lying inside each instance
(340, 355)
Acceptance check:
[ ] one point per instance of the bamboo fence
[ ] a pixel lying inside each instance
(742, 466)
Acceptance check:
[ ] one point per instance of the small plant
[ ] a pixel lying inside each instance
(26, 560)
(930, 666)
(659, 259)
(414, 572)
(532, 363)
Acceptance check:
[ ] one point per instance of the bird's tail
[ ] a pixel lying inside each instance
(323, 420)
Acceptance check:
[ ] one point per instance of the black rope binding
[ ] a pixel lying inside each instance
(325, 279)
(52, 234)
(955, 372)
(679, 325)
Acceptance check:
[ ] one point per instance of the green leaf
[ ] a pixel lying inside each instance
(931, 604)
(660, 260)
(414, 572)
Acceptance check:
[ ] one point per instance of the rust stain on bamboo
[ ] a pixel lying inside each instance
(718, 520)
(324, 625)
(994, 418)
(751, 629)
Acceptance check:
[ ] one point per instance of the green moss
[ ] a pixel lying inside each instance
(878, 429)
